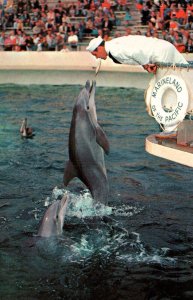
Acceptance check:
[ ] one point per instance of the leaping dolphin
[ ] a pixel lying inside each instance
(87, 144)
(53, 219)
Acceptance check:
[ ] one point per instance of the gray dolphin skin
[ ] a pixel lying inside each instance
(87, 144)
(53, 219)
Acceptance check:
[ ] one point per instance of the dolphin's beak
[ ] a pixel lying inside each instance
(63, 201)
(90, 91)
(91, 86)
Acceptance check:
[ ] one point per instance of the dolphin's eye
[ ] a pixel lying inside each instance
(87, 107)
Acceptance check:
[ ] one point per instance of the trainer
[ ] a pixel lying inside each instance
(136, 49)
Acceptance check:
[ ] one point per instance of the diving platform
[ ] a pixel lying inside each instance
(170, 150)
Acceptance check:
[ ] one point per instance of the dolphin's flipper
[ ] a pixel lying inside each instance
(69, 173)
(102, 140)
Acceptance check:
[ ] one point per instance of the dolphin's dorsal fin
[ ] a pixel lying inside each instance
(102, 140)
(69, 173)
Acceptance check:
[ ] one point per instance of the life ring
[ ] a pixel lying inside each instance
(169, 100)
(147, 95)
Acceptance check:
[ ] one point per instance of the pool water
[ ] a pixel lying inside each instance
(139, 246)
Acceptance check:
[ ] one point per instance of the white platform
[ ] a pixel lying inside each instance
(168, 149)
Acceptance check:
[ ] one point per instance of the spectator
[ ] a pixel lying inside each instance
(106, 36)
(159, 21)
(80, 29)
(127, 17)
(117, 34)
(112, 17)
(65, 19)
(106, 24)
(36, 39)
(171, 38)
(106, 5)
(37, 28)
(58, 20)
(145, 15)
(36, 5)
(164, 35)
(35, 16)
(25, 17)
(51, 15)
(73, 40)
(155, 34)
(185, 34)
(139, 5)
(70, 27)
(51, 40)
(63, 30)
(44, 44)
(181, 15)
(88, 27)
(128, 31)
(189, 24)
(189, 46)
(174, 25)
(20, 7)
(178, 42)
(29, 43)
(16, 48)
(2, 40)
(122, 4)
(18, 25)
(59, 42)
(64, 49)
(166, 21)
(10, 41)
(21, 40)
(162, 8)
(50, 25)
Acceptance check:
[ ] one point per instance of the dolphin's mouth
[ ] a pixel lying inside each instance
(89, 91)
(63, 201)
(91, 87)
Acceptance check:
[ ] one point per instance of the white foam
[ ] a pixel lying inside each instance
(141, 255)
(83, 205)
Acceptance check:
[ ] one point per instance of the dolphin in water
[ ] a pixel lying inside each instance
(26, 132)
(53, 219)
(87, 144)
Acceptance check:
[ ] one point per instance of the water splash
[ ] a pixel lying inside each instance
(138, 253)
(82, 205)
(110, 238)
(127, 210)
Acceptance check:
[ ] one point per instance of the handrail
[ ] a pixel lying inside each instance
(168, 65)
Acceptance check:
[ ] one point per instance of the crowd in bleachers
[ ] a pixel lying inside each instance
(169, 20)
(35, 25)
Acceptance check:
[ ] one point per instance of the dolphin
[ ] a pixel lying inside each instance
(26, 132)
(53, 219)
(87, 144)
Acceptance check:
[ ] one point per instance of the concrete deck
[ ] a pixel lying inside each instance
(68, 68)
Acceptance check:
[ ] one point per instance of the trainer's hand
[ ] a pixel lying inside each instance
(151, 68)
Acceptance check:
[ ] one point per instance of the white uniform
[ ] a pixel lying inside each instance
(137, 49)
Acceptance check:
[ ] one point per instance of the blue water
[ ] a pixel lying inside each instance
(140, 246)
